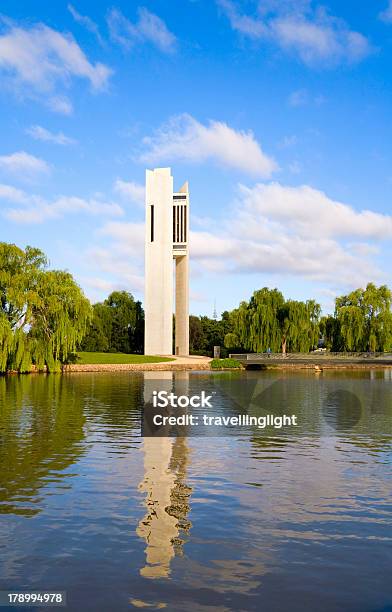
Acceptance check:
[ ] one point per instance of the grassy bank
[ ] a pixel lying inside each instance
(85, 358)
(225, 364)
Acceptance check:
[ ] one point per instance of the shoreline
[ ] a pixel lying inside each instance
(188, 364)
(205, 366)
(322, 366)
(136, 367)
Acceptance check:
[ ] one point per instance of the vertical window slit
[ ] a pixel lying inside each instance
(152, 222)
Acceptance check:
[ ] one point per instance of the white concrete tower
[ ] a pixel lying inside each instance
(166, 238)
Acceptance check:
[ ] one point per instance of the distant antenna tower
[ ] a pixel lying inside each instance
(215, 314)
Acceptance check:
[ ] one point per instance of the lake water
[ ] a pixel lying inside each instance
(232, 519)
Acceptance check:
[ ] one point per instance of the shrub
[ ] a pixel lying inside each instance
(220, 364)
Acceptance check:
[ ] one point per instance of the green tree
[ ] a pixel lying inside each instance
(127, 321)
(299, 326)
(117, 325)
(196, 335)
(268, 321)
(205, 333)
(365, 319)
(212, 332)
(330, 332)
(99, 332)
(43, 313)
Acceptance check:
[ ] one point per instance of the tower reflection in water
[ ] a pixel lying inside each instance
(164, 484)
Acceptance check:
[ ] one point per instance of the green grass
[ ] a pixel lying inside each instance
(219, 364)
(85, 358)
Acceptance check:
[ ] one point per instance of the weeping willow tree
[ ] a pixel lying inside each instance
(255, 324)
(267, 321)
(299, 326)
(43, 313)
(365, 319)
(330, 332)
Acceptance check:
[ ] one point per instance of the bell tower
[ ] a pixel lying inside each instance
(166, 239)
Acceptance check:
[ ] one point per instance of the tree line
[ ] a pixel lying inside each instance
(362, 321)
(45, 319)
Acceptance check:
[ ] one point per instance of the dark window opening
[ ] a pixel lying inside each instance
(152, 222)
(180, 214)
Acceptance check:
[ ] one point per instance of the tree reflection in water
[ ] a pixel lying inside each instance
(41, 424)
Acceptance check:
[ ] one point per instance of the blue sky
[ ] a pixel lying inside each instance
(278, 113)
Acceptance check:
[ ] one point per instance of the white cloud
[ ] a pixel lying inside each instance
(122, 258)
(386, 15)
(295, 231)
(155, 30)
(101, 284)
(130, 191)
(148, 28)
(184, 138)
(309, 212)
(98, 288)
(295, 167)
(364, 248)
(125, 275)
(320, 41)
(321, 260)
(40, 133)
(316, 37)
(39, 59)
(271, 229)
(87, 22)
(129, 236)
(12, 194)
(249, 26)
(34, 209)
(60, 104)
(23, 164)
